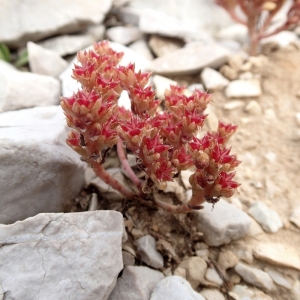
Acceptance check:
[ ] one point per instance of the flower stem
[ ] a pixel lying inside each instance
(126, 166)
(108, 179)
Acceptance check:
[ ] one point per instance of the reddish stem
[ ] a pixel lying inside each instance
(126, 166)
(108, 179)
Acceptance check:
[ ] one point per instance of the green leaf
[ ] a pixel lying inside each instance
(22, 59)
(4, 52)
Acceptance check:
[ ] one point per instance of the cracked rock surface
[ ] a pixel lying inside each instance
(136, 283)
(38, 171)
(61, 256)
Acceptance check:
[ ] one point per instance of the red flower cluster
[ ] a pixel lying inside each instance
(164, 142)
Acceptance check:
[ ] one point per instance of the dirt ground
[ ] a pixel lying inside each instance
(268, 144)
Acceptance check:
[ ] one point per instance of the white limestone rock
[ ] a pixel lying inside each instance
(45, 62)
(196, 86)
(67, 44)
(21, 21)
(279, 279)
(213, 276)
(195, 268)
(222, 224)
(266, 217)
(61, 256)
(136, 283)
(152, 21)
(295, 217)
(190, 60)
(141, 47)
(213, 80)
(123, 35)
(255, 276)
(69, 85)
(38, 171)
(253, 108)
(243, 88)
(212, 294)
(231, 105)
(201, 17)
(278, 254)
(162, 83)
(128, 15)
(24, 89)
(297, 115)
(146, 247)
(236, 32)
(282, 39)
(174, 288)
(161, 45)
(227, 259)
(242, 292)
(296, 290)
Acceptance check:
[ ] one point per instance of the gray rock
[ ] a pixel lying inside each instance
(45, 62)
(255, 276)
(23, 89)
(136, 283)
(202, 253)
(155, 22)
(38, 170)
(246, 76)
(297, 115)
(282, 39)
(161, 46)
(245, 253)
(93, 205)
(142, 48)
(253, 108)
(204, 16)
(123, 35)
(243, 88)
(174, 288)
(227, 259)
(70, 44)
(192, 87)
(61, 256)
(213, 276)
(296, 290)
(295, 217)
(231, 105)
(162, 83)
(266, 217)
(146, 247)
(69, 85)
(278, 254)
(243, 292)
(279, 279)
(128, 259)
(67, 44)
(222, 224)
(229, 72)
(237, 61)
(212, 294)
(193, 58)
(22, 22)
(129, 15)
(195, 270)
(213, 80)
